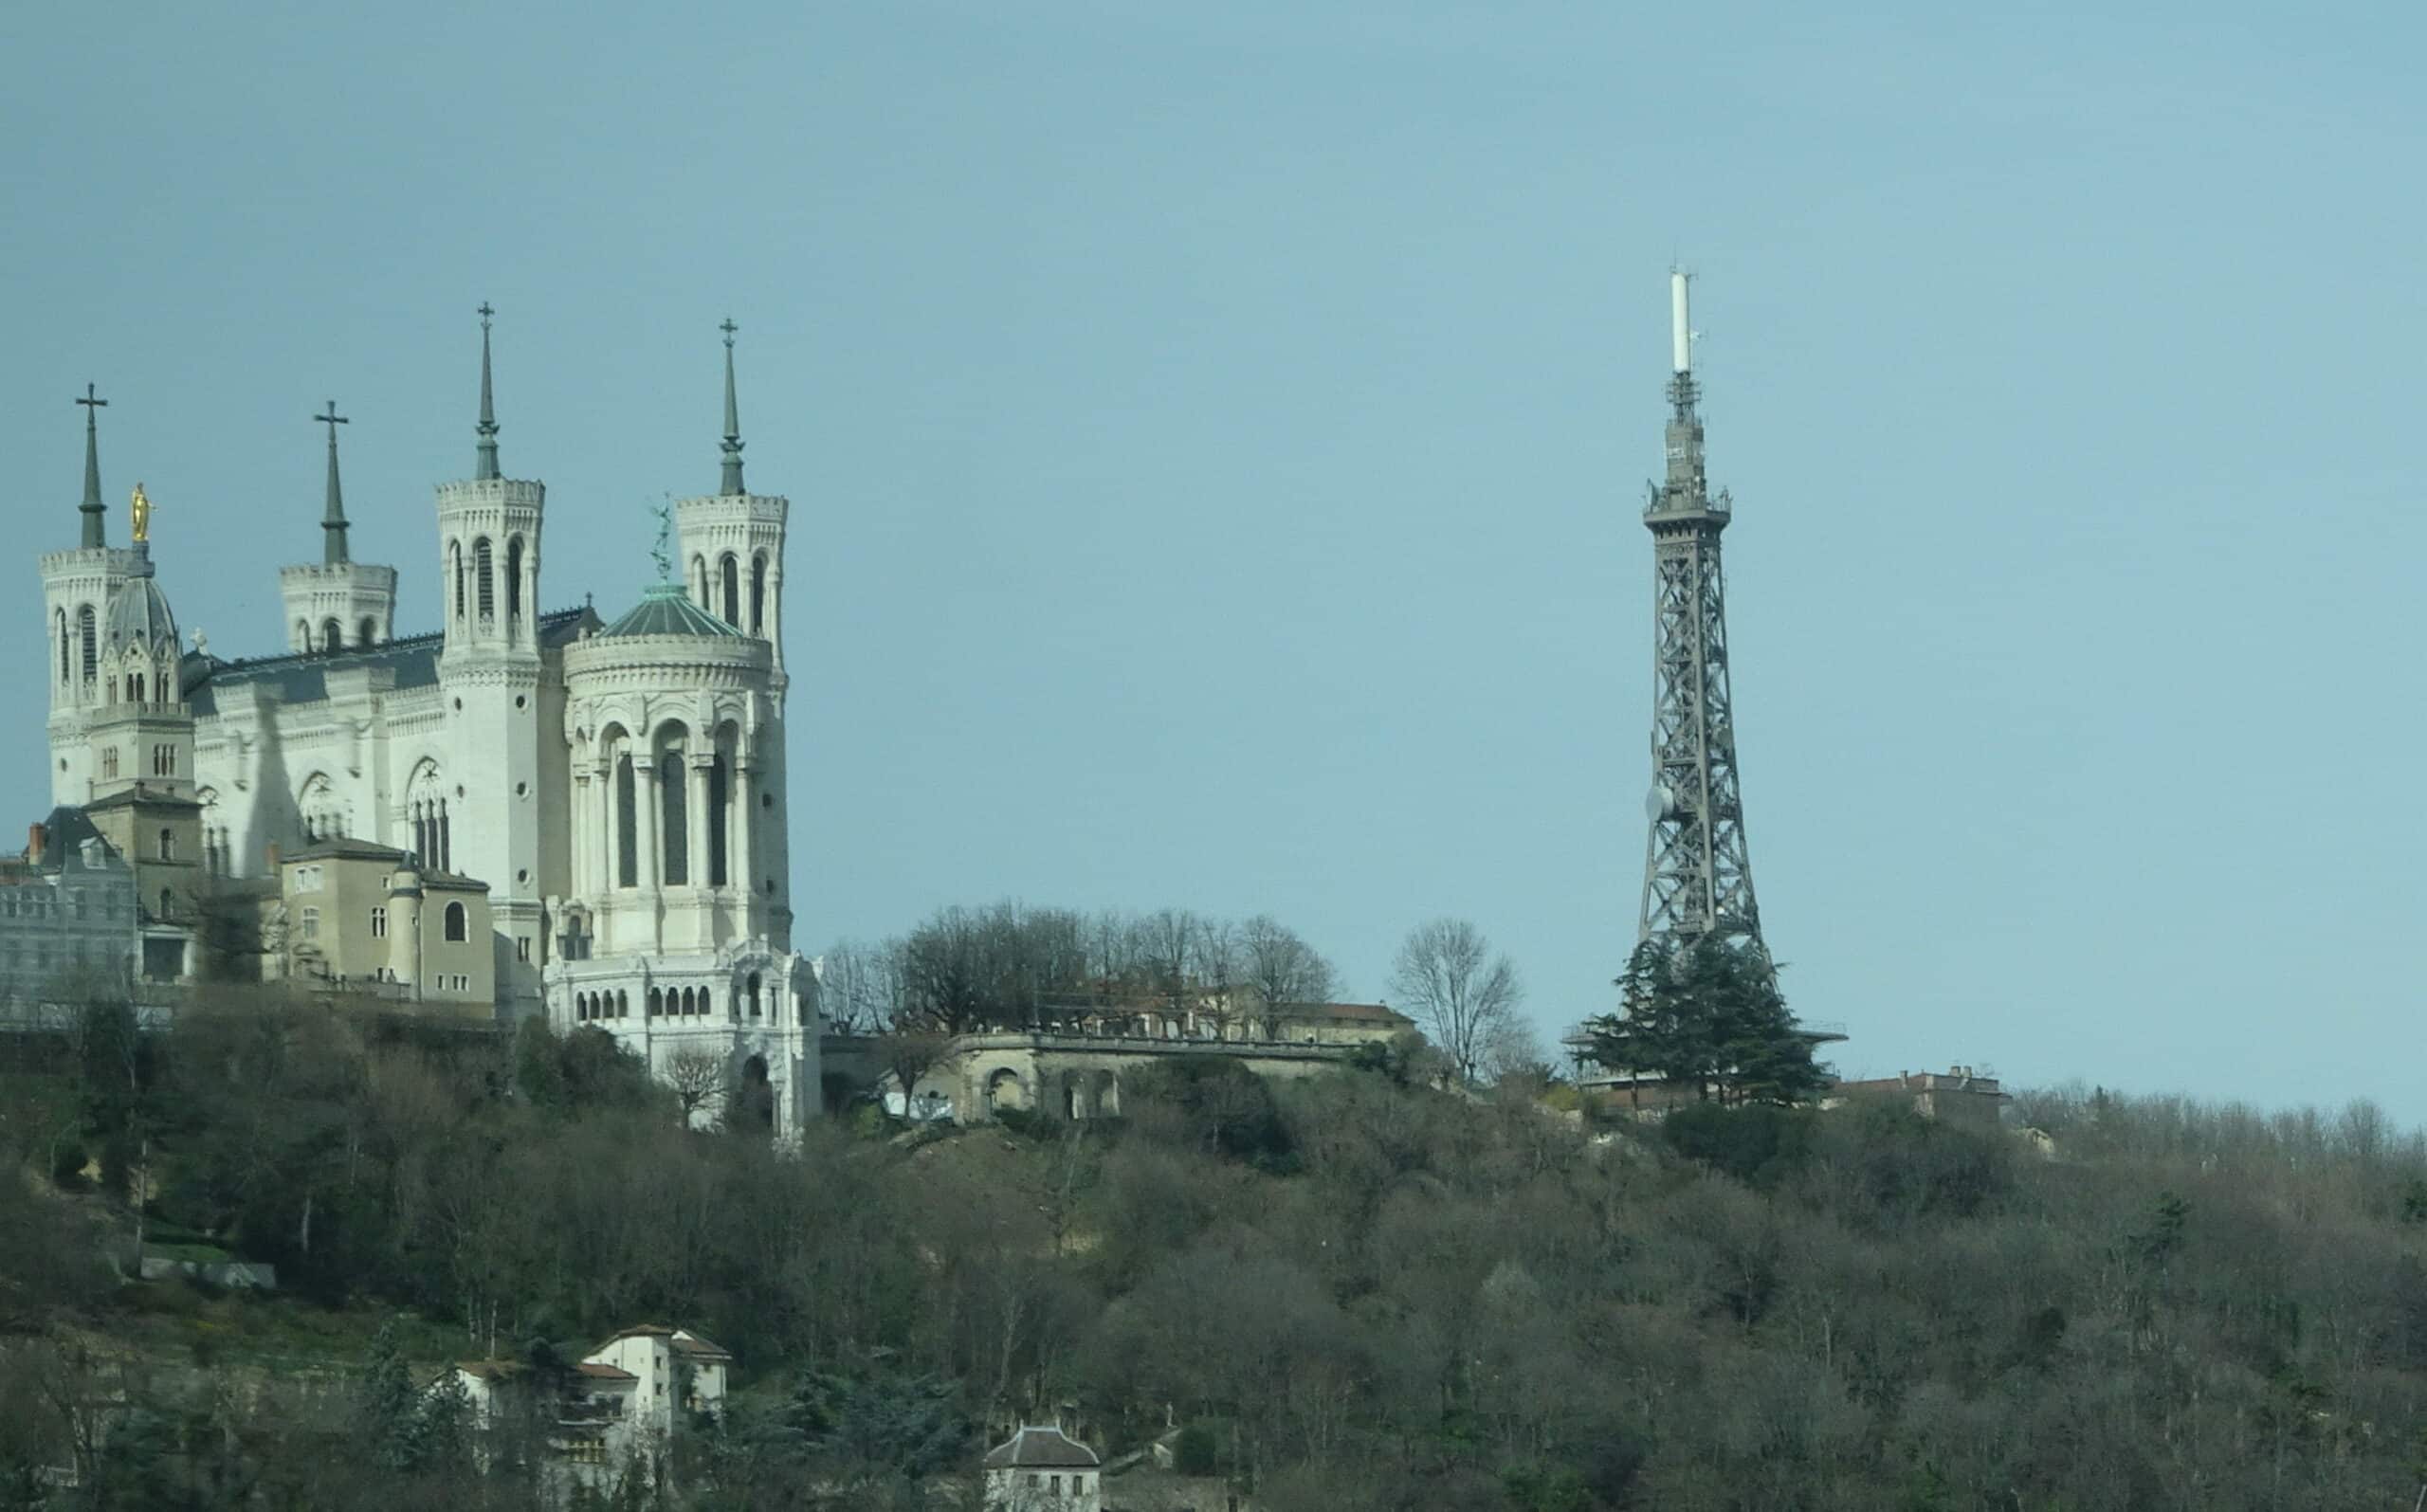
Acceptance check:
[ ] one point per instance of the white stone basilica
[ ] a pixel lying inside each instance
(619, 787)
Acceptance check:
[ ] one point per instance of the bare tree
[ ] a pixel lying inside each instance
(1168, 941)
(861, 985)
(908, 1052)
(699, 1081)
(1281, 969)
(1465, 997)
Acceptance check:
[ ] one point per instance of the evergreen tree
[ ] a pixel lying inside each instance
(387, 1409)
(1709, 1015)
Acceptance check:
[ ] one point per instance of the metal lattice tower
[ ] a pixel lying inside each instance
(1697, 879)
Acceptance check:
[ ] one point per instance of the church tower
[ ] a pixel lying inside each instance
(339, 603)
(732, 547)
(483, 798)
(139, 732)
(77, 587)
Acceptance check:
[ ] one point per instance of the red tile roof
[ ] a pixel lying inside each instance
(604, 1372)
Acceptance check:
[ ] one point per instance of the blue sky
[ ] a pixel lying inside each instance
(1215, 435)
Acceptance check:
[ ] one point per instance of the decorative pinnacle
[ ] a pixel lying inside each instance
(95, 512)
(486, 468)
(731, 487)
(333, 522)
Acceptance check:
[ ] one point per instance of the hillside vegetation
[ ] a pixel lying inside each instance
(1348, 1293)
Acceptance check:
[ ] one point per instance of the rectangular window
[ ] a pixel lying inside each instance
(76, 902)
(311, 924)
(522, 947)
(378, 923)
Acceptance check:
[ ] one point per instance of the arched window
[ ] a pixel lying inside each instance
(331, 636)
(168, 845)
(459, 924)
(302, 635)
(628, 861)
(656, 1002)
(699, 584)
(758, 595)
(135, 689)
(484, 579)
(623, 1003)
(754, 994)
(109, 762)
(674, 863)
(514, 577)
(65, 659)
(89, 638)
(729, 587)
(455, 570)
(168, 903)
(368, 632)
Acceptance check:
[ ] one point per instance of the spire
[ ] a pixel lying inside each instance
(94, 511)
(486, 468)
(333, 548)
(731, 487)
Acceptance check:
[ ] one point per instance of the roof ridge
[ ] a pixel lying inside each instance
(394, 642)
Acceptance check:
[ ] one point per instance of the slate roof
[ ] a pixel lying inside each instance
(665, 610)
(139, 613)
(344, 848)
(302, 677)
(1041, 1448)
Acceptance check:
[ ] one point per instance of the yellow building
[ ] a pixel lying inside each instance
(366, 918)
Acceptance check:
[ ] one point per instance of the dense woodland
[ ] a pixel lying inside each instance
(1360, 1291)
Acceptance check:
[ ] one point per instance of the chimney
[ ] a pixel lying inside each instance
(36, 840)
(269, 853)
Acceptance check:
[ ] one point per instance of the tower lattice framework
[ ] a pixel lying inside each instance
(1697, 876)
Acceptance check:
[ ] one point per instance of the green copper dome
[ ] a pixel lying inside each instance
(665, 610)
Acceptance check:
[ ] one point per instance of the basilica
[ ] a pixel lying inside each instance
(529, 810)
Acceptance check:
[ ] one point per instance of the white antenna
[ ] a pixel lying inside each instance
(1681, 331)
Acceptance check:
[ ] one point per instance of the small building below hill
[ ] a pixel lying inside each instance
(1043, 1469)
(614, 1409)
(1956, 1095)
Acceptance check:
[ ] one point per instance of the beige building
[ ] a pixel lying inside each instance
(364, 917)
(1043, 1469)
(1957, 1094)
(615, 1410)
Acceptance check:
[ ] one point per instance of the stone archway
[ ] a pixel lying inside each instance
(1004, 1089)
(755, 1106)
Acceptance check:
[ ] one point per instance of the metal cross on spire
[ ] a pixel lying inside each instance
(731, 486)
(95, 512)
(333, 551)
(484, 464)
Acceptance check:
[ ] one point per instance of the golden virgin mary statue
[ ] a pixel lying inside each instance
(142, 511)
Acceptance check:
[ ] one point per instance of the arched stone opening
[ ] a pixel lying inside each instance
(755, 1106)
(1004, 1091)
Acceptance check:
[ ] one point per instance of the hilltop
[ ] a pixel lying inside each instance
(1351, 1292)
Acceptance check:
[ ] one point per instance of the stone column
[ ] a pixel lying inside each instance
(601, 819)
(737, 857)
(645, 828)
(577, 841)
(696, 832)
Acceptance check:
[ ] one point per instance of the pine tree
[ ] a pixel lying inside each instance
(387, 1409)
